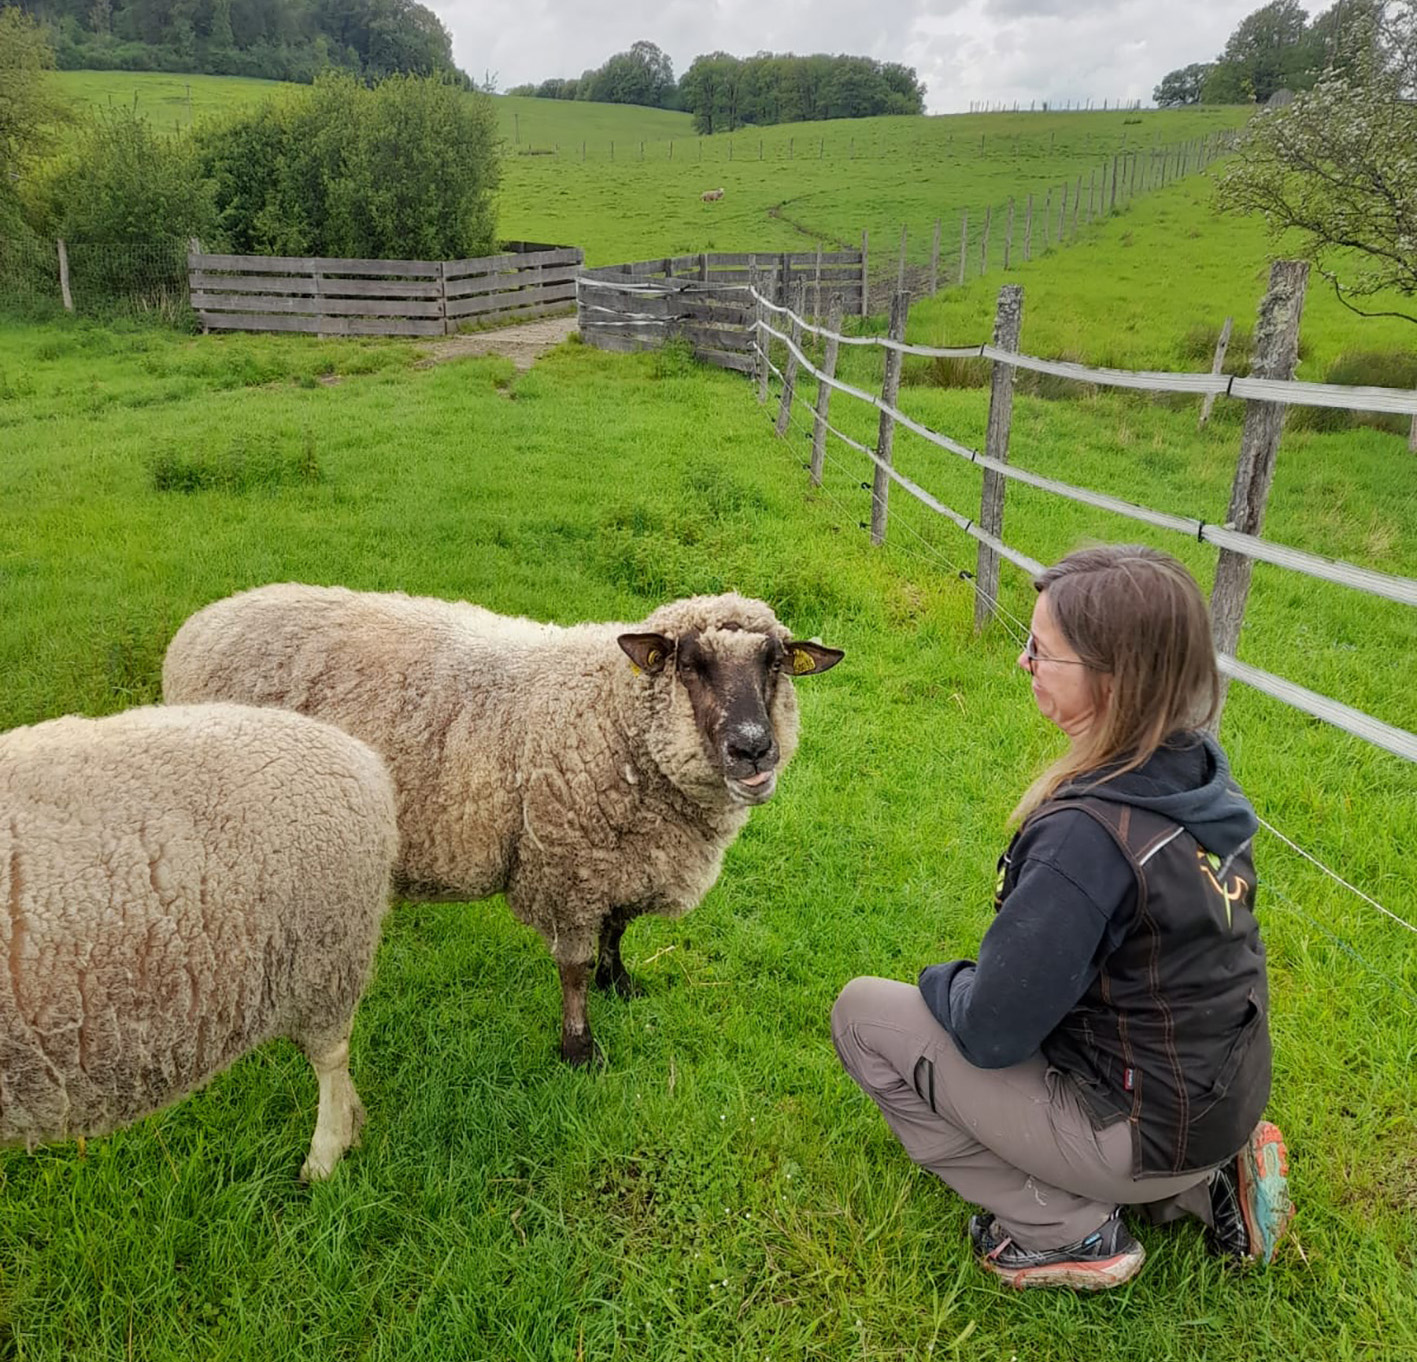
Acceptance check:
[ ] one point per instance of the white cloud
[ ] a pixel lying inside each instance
(965, 51)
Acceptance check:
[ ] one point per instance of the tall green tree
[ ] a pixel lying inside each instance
(27, 109)
(1334, 170)
(1182, 86)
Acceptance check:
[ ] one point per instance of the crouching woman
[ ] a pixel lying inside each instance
(1110, 1046)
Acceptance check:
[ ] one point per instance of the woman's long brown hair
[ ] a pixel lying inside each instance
(1138, 620)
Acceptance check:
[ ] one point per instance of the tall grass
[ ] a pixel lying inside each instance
(718, 1189)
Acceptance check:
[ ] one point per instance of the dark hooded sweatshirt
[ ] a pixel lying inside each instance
(1125, 950)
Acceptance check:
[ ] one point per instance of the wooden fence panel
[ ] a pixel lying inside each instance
(404, 298)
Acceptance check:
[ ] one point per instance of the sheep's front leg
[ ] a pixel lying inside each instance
(340, 1114)
(577, 1044)
(610, 971)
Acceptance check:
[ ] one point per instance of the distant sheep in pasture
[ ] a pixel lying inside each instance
(183, 884)
(711, 195)
(592, 773)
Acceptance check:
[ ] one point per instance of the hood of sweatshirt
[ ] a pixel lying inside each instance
(1187, 780)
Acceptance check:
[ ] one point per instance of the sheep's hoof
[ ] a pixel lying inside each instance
(581, 1051)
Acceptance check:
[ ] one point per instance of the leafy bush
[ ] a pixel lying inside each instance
(407, 170)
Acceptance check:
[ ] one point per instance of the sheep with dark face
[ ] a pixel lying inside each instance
(593, 773)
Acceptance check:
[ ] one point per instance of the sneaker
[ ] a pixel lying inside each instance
(1249, 1198)
(1107, 1257)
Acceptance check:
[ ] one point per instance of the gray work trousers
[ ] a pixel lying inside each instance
(1016, 1141)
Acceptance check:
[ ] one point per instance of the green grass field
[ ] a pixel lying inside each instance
(719, 1189)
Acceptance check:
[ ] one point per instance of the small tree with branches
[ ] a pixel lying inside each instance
(1338, 166)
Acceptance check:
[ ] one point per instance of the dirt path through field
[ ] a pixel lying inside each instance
(523, 345)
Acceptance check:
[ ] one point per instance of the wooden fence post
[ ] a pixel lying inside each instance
(817, 287)
(865, 283)
(761, 315)
(789, 370)
(1048, 219)
(824, 393)
(1077, 202)
(885, 437)
(1009, 235)
(1028, 230)
(1412, 436)
(1063, 215)
(64, 276)
(1276, 354)
(1221, 346)
(935, 261)
(900, 272)
(449, 327)
(963, 245)
(984, 244)
(1008, 324)
(1112, 205)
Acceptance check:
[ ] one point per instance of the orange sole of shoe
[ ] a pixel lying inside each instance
(1271, 1160)
(1075, 1276)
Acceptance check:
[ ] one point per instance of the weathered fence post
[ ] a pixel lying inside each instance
(935, 261)
(1009, 235)
(900, 272)
(1062, 214)
(1221, 346)
(817, 287)
(865, 282)
(1048, 219)
(448, 327)
(784, 280)
(963, 245)
(789, 369)
(1008, 324)
(1412, 436)
(1077, 202)
(64, 276)
(984, 243)
(824, 392)
(885, 437)
(1276, 354)
(759, 321)
(1112, 205)
(1028, 230)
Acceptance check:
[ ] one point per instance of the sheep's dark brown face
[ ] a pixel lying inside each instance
(732, 678)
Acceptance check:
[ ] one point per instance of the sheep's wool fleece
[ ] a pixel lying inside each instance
(528, 757)
(182, 884)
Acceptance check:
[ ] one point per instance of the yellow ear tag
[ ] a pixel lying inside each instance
(802, 662)
(653, 658)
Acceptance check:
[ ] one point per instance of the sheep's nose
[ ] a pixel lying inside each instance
(751, 742)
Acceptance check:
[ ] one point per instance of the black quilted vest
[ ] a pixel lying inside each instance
(1173, 1034)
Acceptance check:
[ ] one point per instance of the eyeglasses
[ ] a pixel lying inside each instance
(1033, 656)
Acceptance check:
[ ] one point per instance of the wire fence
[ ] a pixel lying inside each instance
(145, 280)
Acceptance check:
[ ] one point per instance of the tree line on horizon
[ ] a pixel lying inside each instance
(291, 40)
(724, 93)
(1275, 48)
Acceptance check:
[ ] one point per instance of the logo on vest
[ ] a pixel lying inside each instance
(1232, 891)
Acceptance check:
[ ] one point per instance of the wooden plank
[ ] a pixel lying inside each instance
(502, 283)
(293, 264)
(328, 326)
(361, 288)
(495, 264)
(500, 302)
(520, 314)
(742, 364)
(719, 338)
(618, 341)
(608, 307)
(321, 306)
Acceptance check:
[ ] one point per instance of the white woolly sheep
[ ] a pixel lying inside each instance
(530, 758)
(183, 884)
(711, 195)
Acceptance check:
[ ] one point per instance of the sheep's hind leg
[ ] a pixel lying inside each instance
(578, 1046)
(341, 1113)
(610, 972)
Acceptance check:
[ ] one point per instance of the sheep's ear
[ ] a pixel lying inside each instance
(649, 652)
(806, 658)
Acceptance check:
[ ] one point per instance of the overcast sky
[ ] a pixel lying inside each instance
(964, 50)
